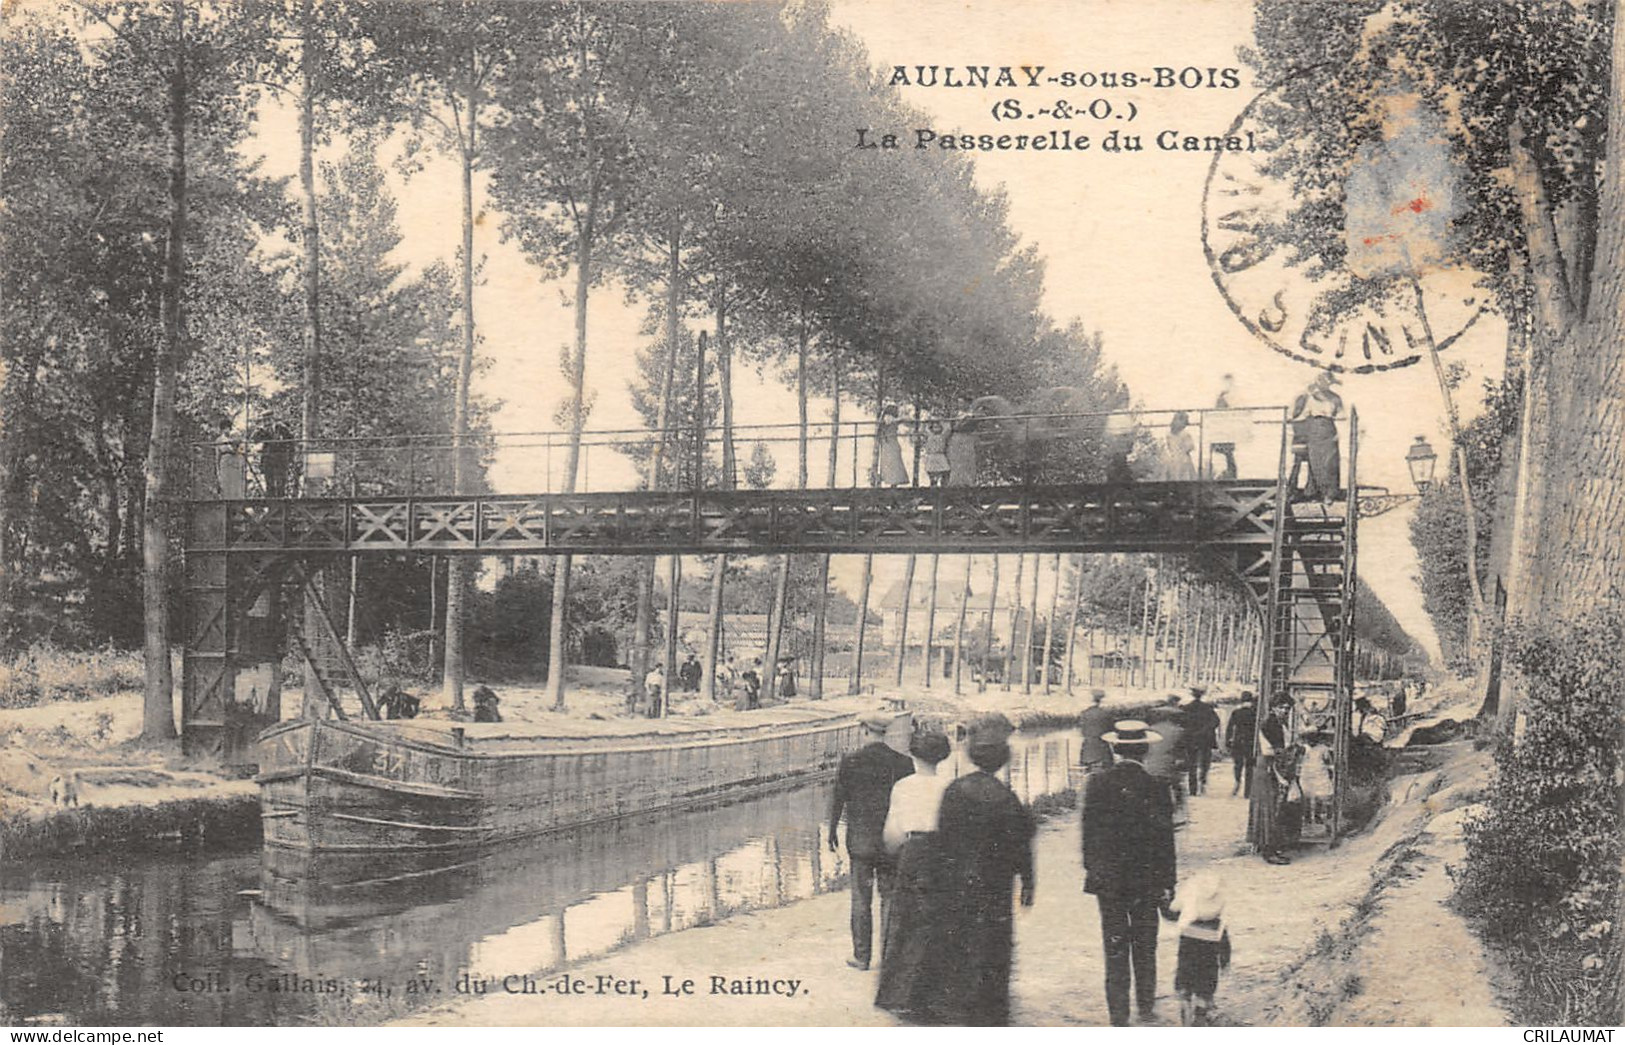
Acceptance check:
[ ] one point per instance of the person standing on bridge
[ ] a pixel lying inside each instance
(1129, 866)
(964, 456)
(935, 452)
(1176, 464)
(890, 469)
(1314, 437)
(863, 789)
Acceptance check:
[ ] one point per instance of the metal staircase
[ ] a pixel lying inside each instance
(1308, 602)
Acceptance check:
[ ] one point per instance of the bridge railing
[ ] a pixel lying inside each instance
(973, 449)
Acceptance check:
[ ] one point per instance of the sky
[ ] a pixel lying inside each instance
(1121, 235)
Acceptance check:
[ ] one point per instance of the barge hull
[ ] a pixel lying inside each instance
(352, 787)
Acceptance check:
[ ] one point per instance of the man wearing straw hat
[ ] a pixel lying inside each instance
(1129, 866)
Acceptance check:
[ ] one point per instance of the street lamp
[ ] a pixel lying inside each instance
(1419, 460)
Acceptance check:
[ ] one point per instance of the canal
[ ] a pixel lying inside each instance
(271, 937)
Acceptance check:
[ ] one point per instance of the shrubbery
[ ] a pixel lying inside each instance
(1543, 860)
(42, 674)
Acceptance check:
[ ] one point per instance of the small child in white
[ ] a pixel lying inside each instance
(1204, 945)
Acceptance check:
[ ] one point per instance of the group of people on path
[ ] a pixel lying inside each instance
(945, 857)
(747, 681)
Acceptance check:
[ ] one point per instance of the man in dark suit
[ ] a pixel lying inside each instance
(1201, 729)
(1095, 723)
(863, 791)
(1128, 864)
(1238, 740)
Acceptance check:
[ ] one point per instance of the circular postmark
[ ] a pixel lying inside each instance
(1290, 269)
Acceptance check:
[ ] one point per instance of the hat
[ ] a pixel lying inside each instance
(988, 730)
(1198, 691)
(877, 720)
(1201, 899)
(1131, 731)
(1098, 694)
(929, 747)
(1279, 699)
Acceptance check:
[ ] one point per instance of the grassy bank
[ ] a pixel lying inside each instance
(211, 820)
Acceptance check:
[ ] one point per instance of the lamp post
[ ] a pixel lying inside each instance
(1419, 461)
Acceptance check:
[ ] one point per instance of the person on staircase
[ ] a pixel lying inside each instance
(1314, 439)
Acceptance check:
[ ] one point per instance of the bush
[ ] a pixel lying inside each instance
(42, 674)
(1542, 874)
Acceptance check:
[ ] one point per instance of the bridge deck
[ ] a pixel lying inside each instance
(1084, 517)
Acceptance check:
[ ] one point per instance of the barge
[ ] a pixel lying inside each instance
(413, 786)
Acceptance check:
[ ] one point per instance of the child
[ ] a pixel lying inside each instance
(1204, 945)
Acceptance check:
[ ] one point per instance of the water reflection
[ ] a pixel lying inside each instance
(252, 938)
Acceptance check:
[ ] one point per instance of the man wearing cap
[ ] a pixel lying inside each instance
(863, 787)
(1201, 730)
(1129, 866)
(1095, 723)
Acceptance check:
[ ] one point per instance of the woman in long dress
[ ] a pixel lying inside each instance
(892, 471)
(1314, 430)
(1176, 464)
(918, 890)
(985, 835)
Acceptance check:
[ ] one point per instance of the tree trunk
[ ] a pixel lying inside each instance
(1049, 622)
(959, 629)
(902, 631)
(987, 624)
(1027, 639)
(1582, 539)
(642, 620)
(821, 611)
(1072, 621)
(557, 633)
(802, 339)
(713, 631)
(674, 584)
(1153, 609)
(1015, 621)
(855, 683)
(931, 619)
(157, 707)
(815, 684)
(309, 57)
(775, 624)
(457, 568)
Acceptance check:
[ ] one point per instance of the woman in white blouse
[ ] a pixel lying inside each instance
(916, 908)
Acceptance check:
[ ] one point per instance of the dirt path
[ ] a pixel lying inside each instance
(1312, 945)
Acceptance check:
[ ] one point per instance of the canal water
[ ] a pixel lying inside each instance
(269, 937)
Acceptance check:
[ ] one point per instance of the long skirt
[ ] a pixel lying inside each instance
(893, 472)
(1325, 459)
(1268, 831)
(911, 973)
